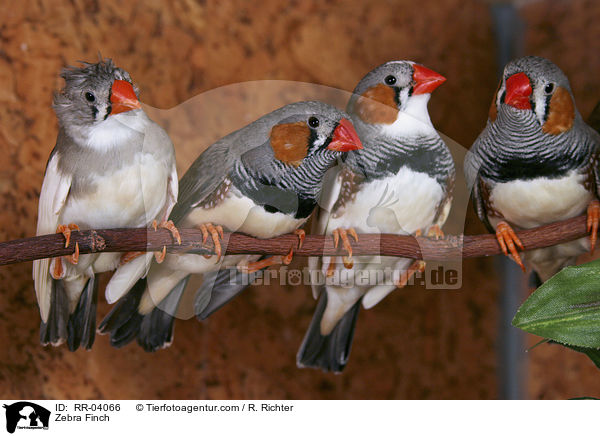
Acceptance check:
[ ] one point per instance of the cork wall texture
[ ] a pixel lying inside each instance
(417, 343)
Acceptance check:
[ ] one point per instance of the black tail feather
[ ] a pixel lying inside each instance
(124, 321)
(81, 327)
(218, 289)
(54, 330)
(156, 328)
(331, 352)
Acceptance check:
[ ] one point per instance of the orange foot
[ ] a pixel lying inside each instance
(435, 232)
(274, 260)
(593, 217)
(301, 235)
(331, 267)
(129, 256)
(58, 271)
(160, 256)
(215, 232)
(507, 239)
(269, 261)
(343, 234)
(417, 265)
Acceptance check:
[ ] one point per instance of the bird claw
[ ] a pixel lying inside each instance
(171, 228)
(301, 235)
(160, 255)
(66, 232)
(348, 262)
(593, 218)
(215, 232)
(251, 267)
(287, 259)
(331, 267)
(435, 232)
(343, 235)
(416, 266)
(129, 256)
(74, 258)
(57, 270)
(507, 238)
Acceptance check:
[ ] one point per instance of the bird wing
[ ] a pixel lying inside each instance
(474, 183)
(330, 192)
(172, 193)
(207, 173)
(595, 138)
(54, 194)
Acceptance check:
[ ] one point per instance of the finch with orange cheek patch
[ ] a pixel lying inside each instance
(401, 182)
(536, 162)
(263, 180)
(111, 167)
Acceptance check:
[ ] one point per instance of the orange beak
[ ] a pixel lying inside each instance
(518, 90)
(426, 80)
(123, 97)
(345, 137)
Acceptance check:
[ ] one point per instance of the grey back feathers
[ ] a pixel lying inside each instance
(247, 150)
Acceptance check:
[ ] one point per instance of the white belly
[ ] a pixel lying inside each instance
(133, 196)
(530, 203)
(240, 214)
(403, 203)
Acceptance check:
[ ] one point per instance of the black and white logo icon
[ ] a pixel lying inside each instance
(26, 415)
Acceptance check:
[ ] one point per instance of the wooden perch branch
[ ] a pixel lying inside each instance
(122, 240)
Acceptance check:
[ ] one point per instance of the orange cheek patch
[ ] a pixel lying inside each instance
(377, 105)
(493, 108)
(561, 112)
(290, 142)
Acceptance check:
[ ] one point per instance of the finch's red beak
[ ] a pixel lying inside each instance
(518, 90)
(345, 137)
(426, 80)
(123, 97)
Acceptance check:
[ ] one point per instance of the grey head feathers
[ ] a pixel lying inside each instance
(389, 87)
(85, 98)
(522, 143)
(545, 79)
(246, 156)
(397, 75)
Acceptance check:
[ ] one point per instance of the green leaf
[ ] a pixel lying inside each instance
(566, 308)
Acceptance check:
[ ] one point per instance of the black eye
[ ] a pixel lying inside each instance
(313, 122)
(549, 88)
(390, 80)
(90, 97)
